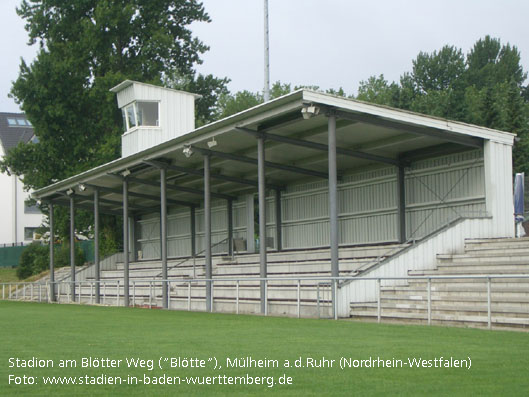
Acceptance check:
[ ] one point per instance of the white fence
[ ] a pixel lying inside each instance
(317, 293)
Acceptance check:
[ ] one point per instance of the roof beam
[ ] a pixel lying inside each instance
(412, 129)
(113, 203)
(299, 135)
(268, 164)
(89, 208)
(200, 172)
(177, 188)
(431, 151)
(142, 195)
(283, 121)
(320, 146)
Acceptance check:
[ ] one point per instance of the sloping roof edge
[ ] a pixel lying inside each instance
(408, 117)
(126, 83)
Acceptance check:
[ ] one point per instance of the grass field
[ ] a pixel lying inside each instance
(8, 274)
(499, 360)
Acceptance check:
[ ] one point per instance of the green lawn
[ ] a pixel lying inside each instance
(8, 274)
(499, 360)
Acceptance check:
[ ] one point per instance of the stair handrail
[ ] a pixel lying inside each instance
(412, 243)
(193, 257)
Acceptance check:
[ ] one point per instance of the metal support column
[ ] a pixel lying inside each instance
(72, 247)
(96, 245)
(207, 227)
(279, 235)
(125, 243)
(401, 204)
(193, 232)
(52, 256)
(163, 235)
(262, 218)
(230, 227)
(333, 202)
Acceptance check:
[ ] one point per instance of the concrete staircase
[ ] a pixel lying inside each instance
(461, 302)
(314, 295)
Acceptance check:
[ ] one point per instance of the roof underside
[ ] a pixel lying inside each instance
(364, 138)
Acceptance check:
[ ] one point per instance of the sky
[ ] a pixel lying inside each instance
(326, 43)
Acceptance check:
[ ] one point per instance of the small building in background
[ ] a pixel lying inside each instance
(18, 219)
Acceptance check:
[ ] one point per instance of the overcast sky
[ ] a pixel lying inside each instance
(328, 43)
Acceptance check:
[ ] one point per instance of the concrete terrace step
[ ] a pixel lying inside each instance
(346, 266)
(363, 254)
(445, 319)
(519, 302)
(486, 268)
(415, 306)
(457, 291)
(496, 243)
(504, 257)
(505, 280)
(460, 272)
(487, 251)
(507, 294)
(440, 308)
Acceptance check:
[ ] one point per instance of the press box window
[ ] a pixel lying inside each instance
(131, 116)
(147, 114)
(140, 114)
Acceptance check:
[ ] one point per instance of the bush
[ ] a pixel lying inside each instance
(33, 260)
(62, 255)
(108, 244)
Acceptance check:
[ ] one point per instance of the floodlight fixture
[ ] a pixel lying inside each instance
(82, 187)
(212, 143)
(188, 152)
(69, 192)
(310, 111)
(126, 173)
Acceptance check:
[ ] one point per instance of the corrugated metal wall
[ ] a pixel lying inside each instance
(219, 227)
(442, 189)
(437, 191)
(499, 190)
(179, 230)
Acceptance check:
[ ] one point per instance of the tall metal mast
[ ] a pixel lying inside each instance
(266, 90)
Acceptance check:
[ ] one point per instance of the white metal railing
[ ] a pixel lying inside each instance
(112, 291)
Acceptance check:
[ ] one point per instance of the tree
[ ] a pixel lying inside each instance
(484, 88)
(211, 88)
(87, 47)
(377, 90)
(489, 63)
(230, 104)
(438, 71)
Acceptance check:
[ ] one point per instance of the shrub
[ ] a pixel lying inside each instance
(33, 260)
(108, 244)
(62, 255)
